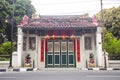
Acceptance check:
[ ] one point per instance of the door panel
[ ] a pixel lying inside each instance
(64, 59)
(63, 54)
(60, 53)
(71, 59)
(50, 59)
(57, 53)
(50, 54)
(57, 59)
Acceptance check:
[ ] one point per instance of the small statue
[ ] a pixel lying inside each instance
(91, 58)
(28, 60)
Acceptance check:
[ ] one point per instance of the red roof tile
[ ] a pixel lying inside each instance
(58, 22)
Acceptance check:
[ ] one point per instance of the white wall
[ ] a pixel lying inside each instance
(19, 48)
(15, 59)
(99, 47)
(36, 55)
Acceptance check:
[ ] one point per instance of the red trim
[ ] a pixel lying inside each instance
(42, 50)
(78, 50)
(60, 32)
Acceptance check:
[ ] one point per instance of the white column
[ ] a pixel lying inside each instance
(99, 46)
(19, 48)
(83, 58)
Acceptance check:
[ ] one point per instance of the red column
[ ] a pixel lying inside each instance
(42, 50)
(74, 45)
(78, 50)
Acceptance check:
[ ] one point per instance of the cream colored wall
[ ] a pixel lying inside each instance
(99, 47)
(91, 51)
(33, 54)
(84, 54)
(36, 55)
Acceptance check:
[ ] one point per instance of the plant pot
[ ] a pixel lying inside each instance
(27, 65)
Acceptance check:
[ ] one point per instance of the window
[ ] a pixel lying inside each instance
(70, 46)
(88, 45)
(57, 46)
(50, 46)
(32, 43)
(64, 46)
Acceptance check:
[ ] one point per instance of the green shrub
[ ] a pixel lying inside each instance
(4, 59)
(5, 48)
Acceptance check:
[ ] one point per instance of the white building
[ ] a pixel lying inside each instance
(60, 42)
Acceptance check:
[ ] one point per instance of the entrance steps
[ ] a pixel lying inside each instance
(61, 69)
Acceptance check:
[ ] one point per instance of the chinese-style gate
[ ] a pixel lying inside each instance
(60, 53)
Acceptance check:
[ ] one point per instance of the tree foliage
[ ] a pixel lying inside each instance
(5, 48)
(111, 20)
(111, 43)
(22, 7)
(3, 14)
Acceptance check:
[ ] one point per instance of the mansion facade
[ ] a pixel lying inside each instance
(59, 42)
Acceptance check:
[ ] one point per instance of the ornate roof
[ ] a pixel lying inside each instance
(58, 22)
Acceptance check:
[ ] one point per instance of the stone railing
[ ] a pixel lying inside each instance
(114, 63)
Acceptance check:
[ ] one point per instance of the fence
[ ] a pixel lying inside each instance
(114, 60)
(4, 61)
(114, 57)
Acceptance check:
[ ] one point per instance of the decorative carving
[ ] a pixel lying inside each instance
(24, 21)
(32, 43)
(88, 45)
(64, 46)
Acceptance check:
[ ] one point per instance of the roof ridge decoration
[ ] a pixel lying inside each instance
(95, 20)
(24, 21)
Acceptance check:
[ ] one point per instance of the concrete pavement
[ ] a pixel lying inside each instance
(53, 69)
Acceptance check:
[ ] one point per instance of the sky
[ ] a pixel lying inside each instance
(71, 7)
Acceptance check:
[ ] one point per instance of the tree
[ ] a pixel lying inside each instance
(111, 20)
(111, 44)
(22, 7)
(3, 14)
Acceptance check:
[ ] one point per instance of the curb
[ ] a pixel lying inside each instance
(100, 69)
(18, 70)
(35, 69)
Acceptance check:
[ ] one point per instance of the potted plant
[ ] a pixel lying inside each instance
(28, 61)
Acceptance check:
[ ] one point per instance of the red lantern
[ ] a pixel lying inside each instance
(53, 36)
(63, 37)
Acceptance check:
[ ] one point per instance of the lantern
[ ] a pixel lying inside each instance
(53, 36)
(63, 37)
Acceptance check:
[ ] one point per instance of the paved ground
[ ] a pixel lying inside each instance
(52, 69)
(61, 75)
